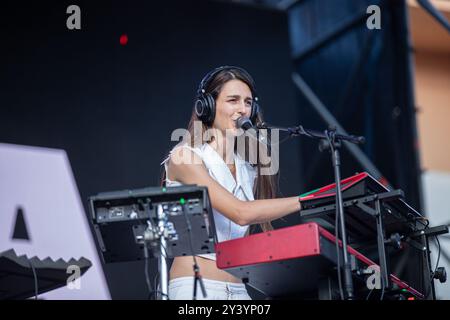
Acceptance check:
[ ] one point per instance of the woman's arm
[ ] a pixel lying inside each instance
(187, 167)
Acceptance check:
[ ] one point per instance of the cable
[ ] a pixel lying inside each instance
(427, 285)
(197, 275)
(146, 258)
(155, 285)
(370, 292)
(152, 291)
(36, 288)
(430, 282)
(439, 254)
(147, 277)
(427, 222)
(435, 268)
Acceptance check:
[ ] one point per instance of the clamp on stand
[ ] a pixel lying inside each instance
(156, 237)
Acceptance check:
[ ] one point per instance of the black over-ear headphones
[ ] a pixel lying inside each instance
(205, 105)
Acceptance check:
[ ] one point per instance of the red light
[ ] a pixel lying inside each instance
(123, 39)
(411, 298)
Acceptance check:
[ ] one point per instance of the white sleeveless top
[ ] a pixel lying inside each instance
(241, 188)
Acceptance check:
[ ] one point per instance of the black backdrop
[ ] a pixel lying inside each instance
(113, 107)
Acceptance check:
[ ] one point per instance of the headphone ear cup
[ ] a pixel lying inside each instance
(205, 109)
(211, 106)
(201, 109)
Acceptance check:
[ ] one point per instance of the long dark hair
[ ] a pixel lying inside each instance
(266, 186)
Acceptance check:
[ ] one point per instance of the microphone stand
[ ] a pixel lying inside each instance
(197, 276)
(333, 139)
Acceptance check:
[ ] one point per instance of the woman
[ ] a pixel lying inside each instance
(224, 95)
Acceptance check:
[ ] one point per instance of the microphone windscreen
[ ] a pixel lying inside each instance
(244, 123)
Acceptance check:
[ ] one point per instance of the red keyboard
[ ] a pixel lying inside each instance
(291, 261)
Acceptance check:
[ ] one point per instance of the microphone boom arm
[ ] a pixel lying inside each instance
(300, 130)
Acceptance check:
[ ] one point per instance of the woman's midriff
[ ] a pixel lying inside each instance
(183, 267)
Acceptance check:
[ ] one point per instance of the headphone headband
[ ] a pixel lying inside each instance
(211, 74)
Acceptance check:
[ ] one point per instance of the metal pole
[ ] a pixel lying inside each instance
(348, 281)
(162, 262)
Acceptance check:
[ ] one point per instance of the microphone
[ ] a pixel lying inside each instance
(244, 123)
